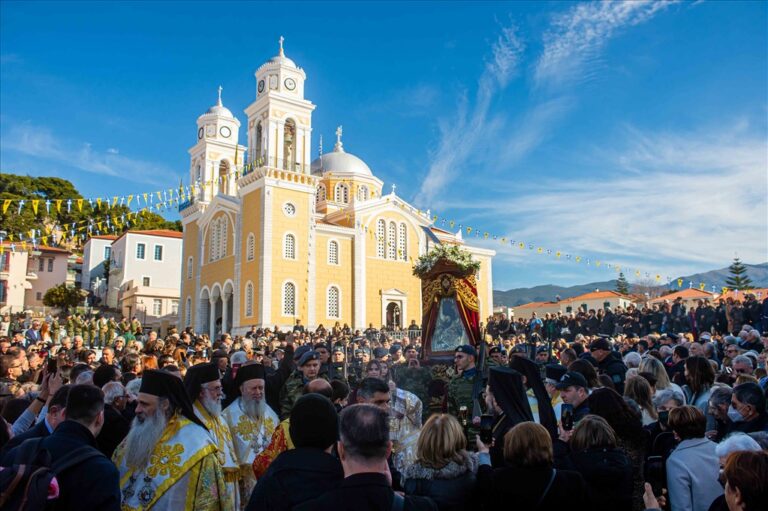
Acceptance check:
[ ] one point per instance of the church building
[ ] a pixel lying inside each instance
(272, 236)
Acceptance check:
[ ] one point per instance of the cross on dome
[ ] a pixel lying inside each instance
(394, 187)
(220, 89)
(339, 147)
(282, 53)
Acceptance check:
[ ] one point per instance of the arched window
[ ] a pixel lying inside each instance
(341, 195)
(213, 240)
(402, 242)
(289, 299)
(198, 173)
(223, 178)
(190, 269)
(188, 311)
(392, 241)
(362, 193)
(381, 239)
(223, 237)
(250, 247)
(320, 195)
(333, 302)
(289, 246)
(333, 252)
(249, 299)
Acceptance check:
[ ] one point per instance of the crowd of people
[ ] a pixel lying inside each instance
(578, 416)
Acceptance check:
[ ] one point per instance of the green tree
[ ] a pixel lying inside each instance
(62, 297)
(622, 286)
(47, 190)
(739, 278)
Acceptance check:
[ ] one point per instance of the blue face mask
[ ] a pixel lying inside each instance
(734, 414)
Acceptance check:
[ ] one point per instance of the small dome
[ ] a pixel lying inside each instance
(219, 110)
(283, 60)
(339, 161)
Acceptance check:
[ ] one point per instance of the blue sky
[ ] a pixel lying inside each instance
(630, 133)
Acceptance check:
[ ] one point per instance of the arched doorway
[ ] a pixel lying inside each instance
(393, 315)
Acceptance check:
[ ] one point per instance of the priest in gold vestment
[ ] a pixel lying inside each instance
(168, 460)
(205, 389)
(251, 422)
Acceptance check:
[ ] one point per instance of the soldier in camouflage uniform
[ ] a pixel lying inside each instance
(123, 327)
(461, 387)
(308, 370)
(77, 328)
(111, 329)
(70, 326)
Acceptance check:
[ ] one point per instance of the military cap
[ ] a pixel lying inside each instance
(467, 349)
(306, 357)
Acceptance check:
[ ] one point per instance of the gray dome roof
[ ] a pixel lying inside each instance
(220, 110)
(281, 59)
(339, 161)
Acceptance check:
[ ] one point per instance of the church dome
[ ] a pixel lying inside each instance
(219, 108)
(282, 60)
(339, 161)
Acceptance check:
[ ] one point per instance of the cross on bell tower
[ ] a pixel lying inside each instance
(339, 147)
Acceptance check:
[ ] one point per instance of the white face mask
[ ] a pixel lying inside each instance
(734, 414)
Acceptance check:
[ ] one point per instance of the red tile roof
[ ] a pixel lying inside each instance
(739, 295)
(165, 233)
(51, 249)
(104, 237)
(685, 294)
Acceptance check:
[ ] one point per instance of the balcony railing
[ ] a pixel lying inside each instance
(276, 163)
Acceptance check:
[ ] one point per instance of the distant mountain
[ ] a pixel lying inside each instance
(757, 272)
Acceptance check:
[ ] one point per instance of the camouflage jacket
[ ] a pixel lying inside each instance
(291, 391)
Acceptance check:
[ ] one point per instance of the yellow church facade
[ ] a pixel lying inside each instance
(272, 237)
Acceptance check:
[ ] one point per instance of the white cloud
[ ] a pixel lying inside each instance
(471, 126)
(576, 37)
(40, 143)
(671, 203)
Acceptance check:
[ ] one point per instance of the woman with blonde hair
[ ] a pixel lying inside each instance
(528, 480)
(443, 469)
(639, 390)
(656, 368)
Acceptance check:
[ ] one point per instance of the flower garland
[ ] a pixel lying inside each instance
(452, 253)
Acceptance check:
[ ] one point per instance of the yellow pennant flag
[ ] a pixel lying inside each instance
(58, 205)
(521, 245)
(35, 204)
(145, 198)
(10, 237)
(98, 203)
(114, 201)
(539, 250)
(6, 203)
(469, 230)
(679, 282)
(130, 198)
(702, 286)
(45, 240)
(80, 204)
(159, 196)
(658, 278)
(99, 224)
(725, 290)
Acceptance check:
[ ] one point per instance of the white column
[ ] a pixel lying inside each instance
(265, 259)
(212, 325)
(224, 310)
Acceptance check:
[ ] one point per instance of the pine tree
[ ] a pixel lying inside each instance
(622, 286)
(739, 278)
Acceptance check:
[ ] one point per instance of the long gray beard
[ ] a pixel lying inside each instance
(253, 408)
(142, 438)
(212, 406)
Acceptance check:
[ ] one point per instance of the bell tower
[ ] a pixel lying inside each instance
(216, 156)
(280, 119)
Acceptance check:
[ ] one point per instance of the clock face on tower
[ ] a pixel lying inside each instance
(200, 133)
(290, 83)
(261, 86)
(210, 131)
(225, 131)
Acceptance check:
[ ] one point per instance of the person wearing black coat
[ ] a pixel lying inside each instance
(93, 484)
(309, 470)
(443, 470)
(40, 430)
(115, 429)
(296, 476)
(528, 480)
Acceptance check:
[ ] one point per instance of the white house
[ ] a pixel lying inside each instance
(145, 276)
(96, 251)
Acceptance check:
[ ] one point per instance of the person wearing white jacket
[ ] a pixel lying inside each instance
(692, 468)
